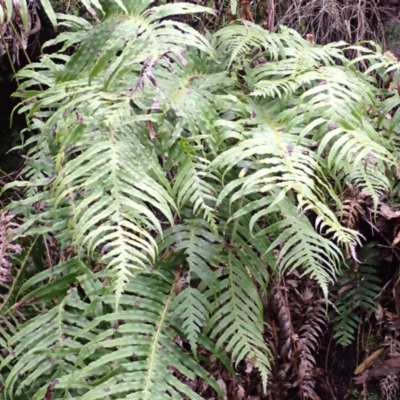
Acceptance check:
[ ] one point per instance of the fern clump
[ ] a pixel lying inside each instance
(178, 180)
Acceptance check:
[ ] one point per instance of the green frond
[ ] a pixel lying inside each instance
(189, 171)
(293, 73)
(110, 214)
(192, 308)
(192, 188)
(237, 318)
(103, 352)
(118, 195)
(300, 247)
(200, 247)
(271, 159)
(240, 40)
(200, 253)
(370, 177)
(153, 39)
(361, 286)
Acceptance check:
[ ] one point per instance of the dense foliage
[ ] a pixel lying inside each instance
(179, 177)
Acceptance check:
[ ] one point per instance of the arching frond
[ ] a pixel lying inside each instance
(272, 159)
(107, 352)
(113, 179)
(299, 247)
(240, 40)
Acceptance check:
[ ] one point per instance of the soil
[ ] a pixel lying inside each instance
(9, 133)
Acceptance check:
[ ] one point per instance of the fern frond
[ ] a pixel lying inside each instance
(300, 247)
(128, 351)
(192, 188)
(144, 147)
(117, 185)
(153, 39)
(328, 106)
(199, 245)
(200, 253)
(288, 167)
(354, 206)
(295, 70)
(240, 40)
(117, 193)
(192, 308)
(358, 288)
(237, 320)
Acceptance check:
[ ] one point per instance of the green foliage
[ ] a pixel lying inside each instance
(359, 286)
(94, 354)
(178, 178)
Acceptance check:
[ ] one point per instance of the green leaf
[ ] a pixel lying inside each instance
(48, 9)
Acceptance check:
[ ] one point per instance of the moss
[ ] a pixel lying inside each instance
(392, 35)
(72, 7)
(392, 32)
(356, 394)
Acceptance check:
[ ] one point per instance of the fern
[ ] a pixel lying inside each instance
(101, 351)
(299, 247)
(237, 314)
(357, 291)
(178, 180)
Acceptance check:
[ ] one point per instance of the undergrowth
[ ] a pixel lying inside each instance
(188, 194)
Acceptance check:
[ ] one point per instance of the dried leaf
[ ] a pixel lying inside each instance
(346, 287)
(152, 132)
(50, 390)
(396, 240)
(250, 366)
(240, 393)
(379, 313)
(388, 367)
(222, 385)
(388, 213)
(178, 280)
(93, 13)
(369, 361)
(310, 38)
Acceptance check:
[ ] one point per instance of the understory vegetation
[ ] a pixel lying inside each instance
(197, 209)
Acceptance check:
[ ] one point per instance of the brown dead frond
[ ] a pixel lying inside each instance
(296, 324)
(310, 334)
(384, 363)
(389, 386)
(7, 248)
(13, 36)
(355, 204)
